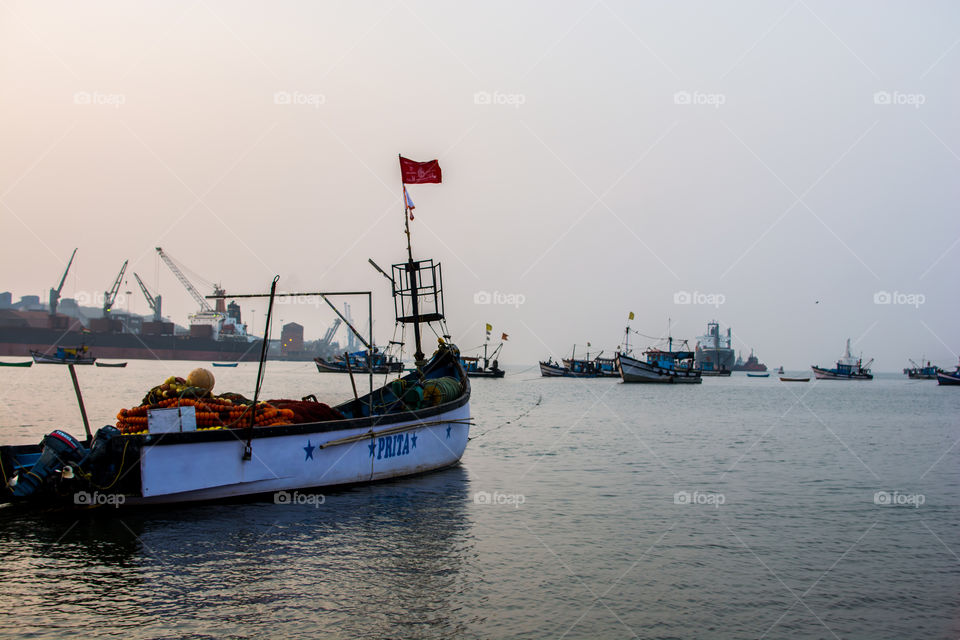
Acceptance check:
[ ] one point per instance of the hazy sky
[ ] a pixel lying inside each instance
(599, 158)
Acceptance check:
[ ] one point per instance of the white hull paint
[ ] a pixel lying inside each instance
(215, 470)
(633, 370)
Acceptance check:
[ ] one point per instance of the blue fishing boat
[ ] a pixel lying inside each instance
(758, 375)
(848, 368)
(665, 366)
(917, 372)
(224, 364)
(949, 379)
(487, 366)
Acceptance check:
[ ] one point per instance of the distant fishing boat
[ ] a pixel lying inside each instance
(360, 361)
(77, 355)
(780, 370)
(784, 379)
(597, 366)
(490, 367)
(848, 368)
(117, 365)
(758, 375)
(660, 366)
(224, 364)
(917, 372)
(26, 363)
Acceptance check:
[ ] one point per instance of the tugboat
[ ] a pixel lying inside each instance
(417, 423)
(848, 368)
(78, 355)
(752, 364)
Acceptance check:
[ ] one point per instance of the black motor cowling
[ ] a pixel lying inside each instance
(59, 448)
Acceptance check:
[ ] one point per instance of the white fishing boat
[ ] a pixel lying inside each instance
(413, 424)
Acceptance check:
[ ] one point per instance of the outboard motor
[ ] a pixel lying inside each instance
(98, 461)
(59, 448)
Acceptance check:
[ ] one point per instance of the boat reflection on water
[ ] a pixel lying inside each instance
(383, 559)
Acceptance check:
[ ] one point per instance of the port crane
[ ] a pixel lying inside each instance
(328, 336)
(55, 293)
(152, 302)
(109, 297)
(192, 290)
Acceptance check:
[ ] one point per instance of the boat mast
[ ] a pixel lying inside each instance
(412, 275)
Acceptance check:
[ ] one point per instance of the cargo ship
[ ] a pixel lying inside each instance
(23, 332)
(714, 353)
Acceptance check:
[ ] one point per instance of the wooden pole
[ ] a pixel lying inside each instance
(83, 411)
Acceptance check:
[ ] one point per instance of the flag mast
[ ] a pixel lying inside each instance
(412, 275)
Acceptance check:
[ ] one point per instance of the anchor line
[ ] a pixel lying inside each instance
(522, 415)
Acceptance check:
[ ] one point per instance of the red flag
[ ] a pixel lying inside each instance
(419, 172)
(504, 336)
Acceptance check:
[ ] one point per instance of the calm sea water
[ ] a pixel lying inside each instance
(585, 509)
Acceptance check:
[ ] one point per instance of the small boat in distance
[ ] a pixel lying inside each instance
(780, 370)
(224, 364)
(116, 365)
(848, 368)
(785, 379)
(758, 375)
(25, 363)
(599, 367)
(63, 355)
(580, 369)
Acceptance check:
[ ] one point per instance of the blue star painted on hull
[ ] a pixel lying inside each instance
(448, 431)
(309, 449)
(413, 441)
(373, 446)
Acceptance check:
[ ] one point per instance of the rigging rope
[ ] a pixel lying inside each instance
(522, 415)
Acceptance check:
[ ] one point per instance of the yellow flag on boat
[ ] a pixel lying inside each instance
(631, 315)
(489, 328)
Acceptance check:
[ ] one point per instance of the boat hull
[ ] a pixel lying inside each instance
(832, 374)
(191, 471)
(633, 370)
(784, 379)
(487, 373)
(549, 370)
(46, 358)
(948, 379)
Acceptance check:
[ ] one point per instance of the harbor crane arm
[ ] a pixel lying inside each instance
(55, 293)
(192, 290)
(328, 336)
(111, 296)
(153, 303)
